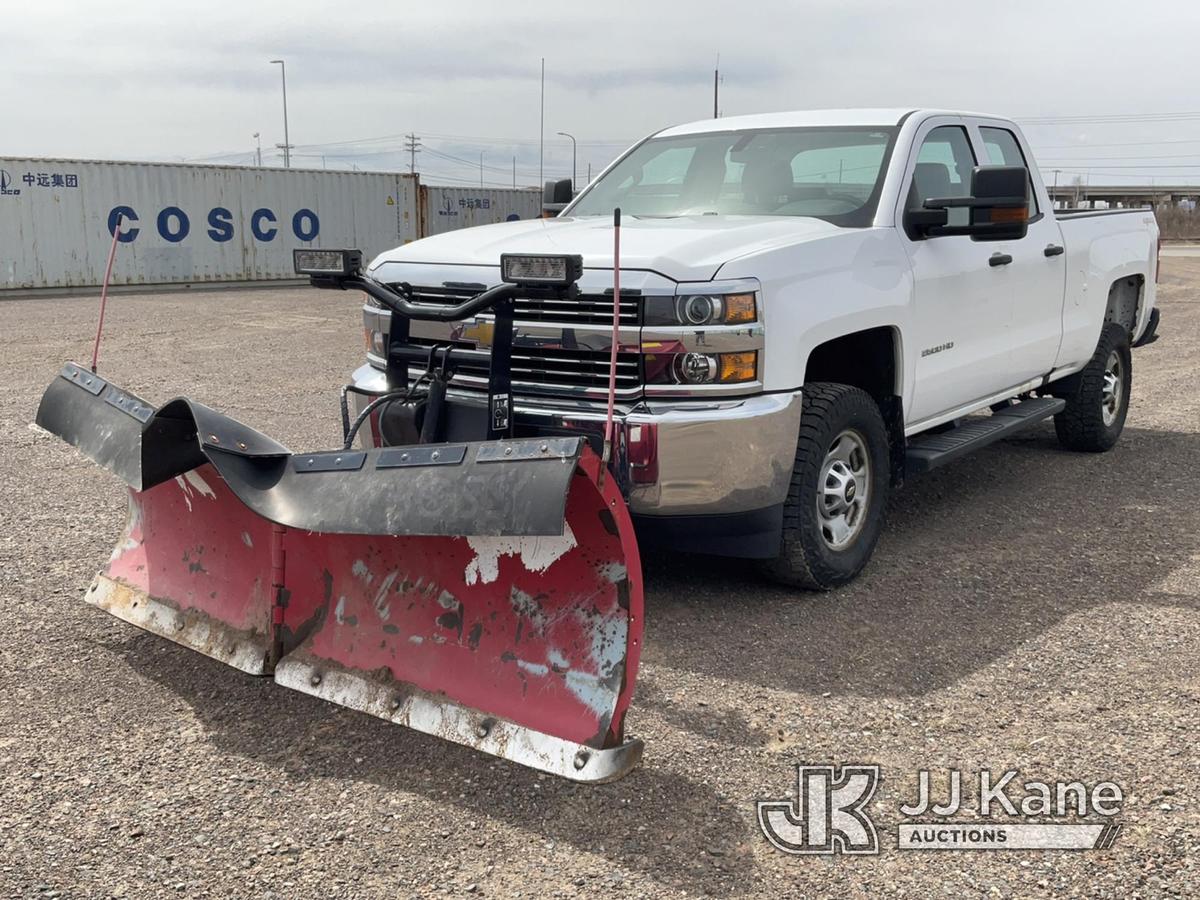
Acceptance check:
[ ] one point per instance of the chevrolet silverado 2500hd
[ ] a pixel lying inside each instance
(812, 306)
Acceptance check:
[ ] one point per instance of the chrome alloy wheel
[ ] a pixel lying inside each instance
(844, 491)
(1113, 390)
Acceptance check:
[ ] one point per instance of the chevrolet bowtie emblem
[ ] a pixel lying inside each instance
(480, 331)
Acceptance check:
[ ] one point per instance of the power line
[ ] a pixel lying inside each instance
(1127, 144)
(463, 138)
(1126, 156)
(1117, 118)
(467, 162)
(1107, 166)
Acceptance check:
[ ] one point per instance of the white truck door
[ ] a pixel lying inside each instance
(1035, 281)
(960, 311)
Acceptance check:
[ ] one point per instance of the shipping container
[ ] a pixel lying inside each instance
(187, 223)
(450, 208)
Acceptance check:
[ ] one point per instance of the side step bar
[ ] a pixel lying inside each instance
(929, 451)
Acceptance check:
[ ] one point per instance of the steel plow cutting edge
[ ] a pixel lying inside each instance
(486, 592)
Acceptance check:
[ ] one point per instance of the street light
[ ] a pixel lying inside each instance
(287, 144)
(574, 175)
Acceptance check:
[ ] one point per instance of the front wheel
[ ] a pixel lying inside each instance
(1097, 397)
(833, 513)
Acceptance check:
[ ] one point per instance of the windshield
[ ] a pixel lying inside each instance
(827, 173)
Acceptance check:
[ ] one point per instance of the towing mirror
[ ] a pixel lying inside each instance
(555, 196)
(558, 192)
(999, 205)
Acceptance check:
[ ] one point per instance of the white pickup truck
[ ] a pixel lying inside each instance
(814, 305)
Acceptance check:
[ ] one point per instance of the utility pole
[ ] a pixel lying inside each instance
(542, 131)
(287, 143)
(258, 150)
(481, 168)
(514, 171)
(574, 167)
(589, 173)
(412, 146)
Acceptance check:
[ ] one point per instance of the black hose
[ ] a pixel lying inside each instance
(389, 397)
(435, 402)
(345, 401)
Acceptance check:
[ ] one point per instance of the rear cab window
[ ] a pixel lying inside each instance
(1003, 149)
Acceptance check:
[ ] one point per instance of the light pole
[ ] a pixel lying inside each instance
(542, 131)
(287, 144)
(258, 150)
(574, 156)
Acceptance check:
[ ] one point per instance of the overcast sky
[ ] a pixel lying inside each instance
(183, 80)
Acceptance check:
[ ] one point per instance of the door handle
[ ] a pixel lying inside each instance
(1000, 259)
(1053, 250)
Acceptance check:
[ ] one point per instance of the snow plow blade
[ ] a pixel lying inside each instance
(488, 593)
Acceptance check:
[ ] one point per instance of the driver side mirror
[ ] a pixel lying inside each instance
(999, 205)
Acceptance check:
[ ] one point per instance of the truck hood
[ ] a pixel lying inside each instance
(683, 248)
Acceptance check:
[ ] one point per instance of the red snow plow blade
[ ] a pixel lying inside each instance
(484, 592)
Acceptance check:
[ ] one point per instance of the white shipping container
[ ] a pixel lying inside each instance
(450, 208)
(187, 223)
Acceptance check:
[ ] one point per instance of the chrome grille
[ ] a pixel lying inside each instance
(551, 369)
(586, 309)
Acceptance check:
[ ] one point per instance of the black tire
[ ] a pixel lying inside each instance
(807, 559)
(1090, 423)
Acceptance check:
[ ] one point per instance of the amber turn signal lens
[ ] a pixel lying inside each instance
(740, 308)
(374, 341)
(1011, 215)
(735, 367)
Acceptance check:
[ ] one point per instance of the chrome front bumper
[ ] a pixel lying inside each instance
(709, 457)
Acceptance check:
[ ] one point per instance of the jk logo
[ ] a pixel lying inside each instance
(828, 814)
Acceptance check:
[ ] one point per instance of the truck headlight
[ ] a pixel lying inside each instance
(699, 310)
(695, 368)
(714, 368)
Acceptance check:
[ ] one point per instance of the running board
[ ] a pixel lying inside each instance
(929, 451)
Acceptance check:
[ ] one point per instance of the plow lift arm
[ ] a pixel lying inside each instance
(485, 591)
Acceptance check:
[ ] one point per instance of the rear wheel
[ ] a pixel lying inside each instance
(840, 479)
(1098, 397)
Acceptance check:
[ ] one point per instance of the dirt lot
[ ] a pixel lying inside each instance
(1027, 608)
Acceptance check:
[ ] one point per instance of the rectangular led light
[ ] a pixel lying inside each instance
(540, 269)
(326, 262)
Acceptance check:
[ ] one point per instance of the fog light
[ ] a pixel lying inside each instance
(695, 368)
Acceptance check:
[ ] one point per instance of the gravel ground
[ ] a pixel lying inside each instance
(1027, 608)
